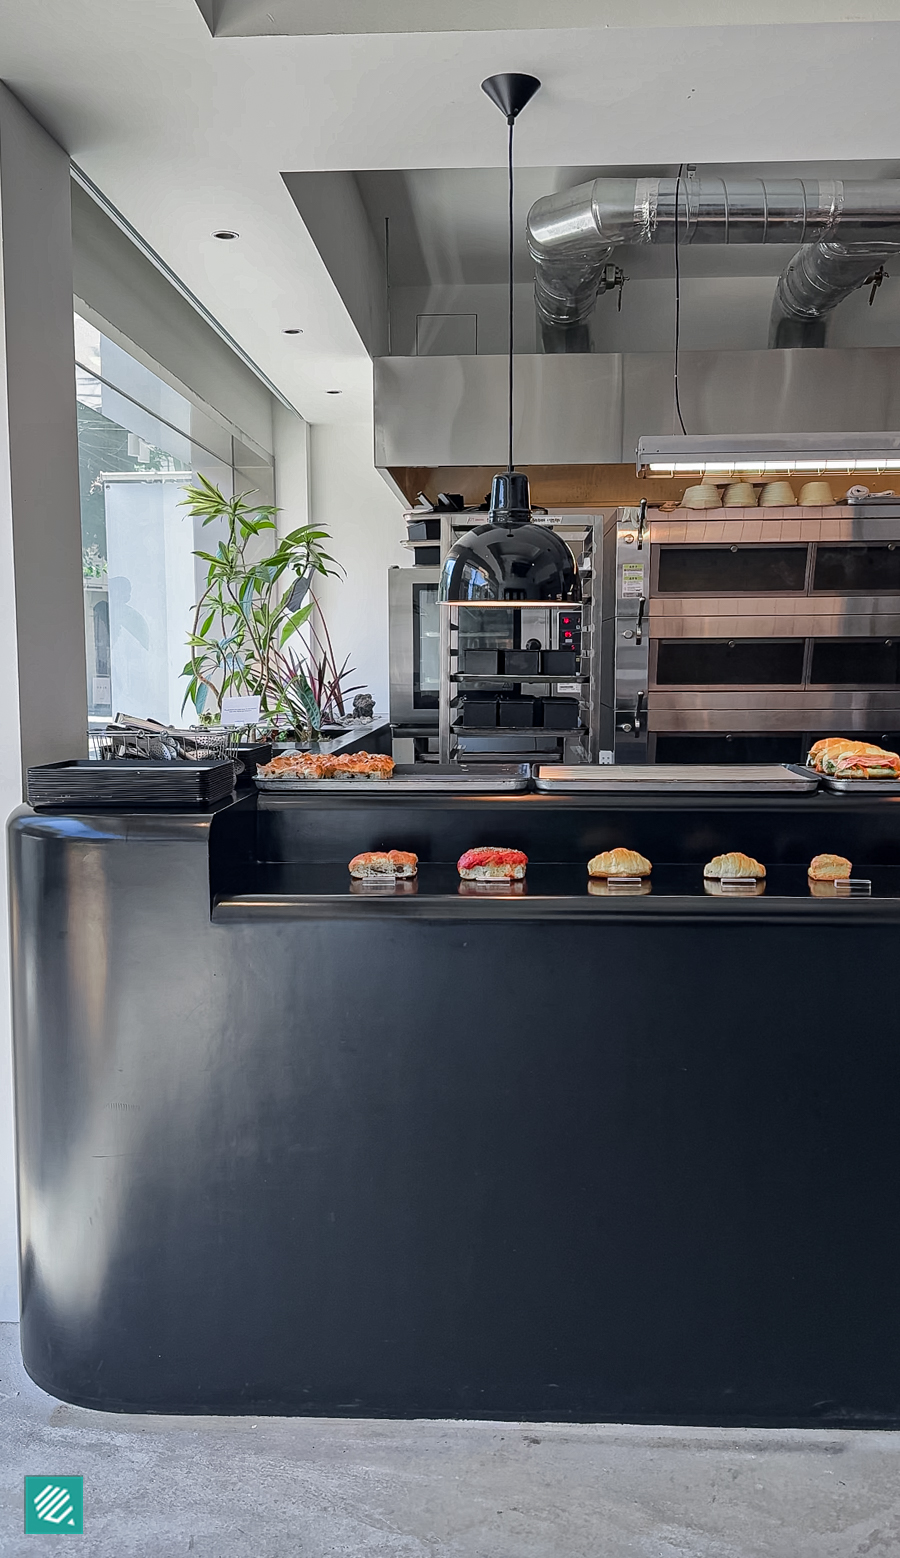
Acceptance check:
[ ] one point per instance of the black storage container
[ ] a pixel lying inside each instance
(517, 712)
(479, 713)
(520, 662)
(559, 662)
(560, 713)
(478, 662)
(423, 529)
(426, 556)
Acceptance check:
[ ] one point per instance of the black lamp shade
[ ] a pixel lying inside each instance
(511, 91)
(510, 559)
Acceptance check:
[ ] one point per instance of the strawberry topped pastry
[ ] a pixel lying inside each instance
(490, 864)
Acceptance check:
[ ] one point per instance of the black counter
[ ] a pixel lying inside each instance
(286, 1147)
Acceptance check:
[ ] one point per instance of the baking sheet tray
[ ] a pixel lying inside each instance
(851, 786)
(684, 778)
(411, 778)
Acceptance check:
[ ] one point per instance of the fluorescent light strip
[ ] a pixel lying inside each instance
(748, 464)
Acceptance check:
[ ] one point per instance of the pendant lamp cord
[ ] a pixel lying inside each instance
(511, 122)
(678, 297)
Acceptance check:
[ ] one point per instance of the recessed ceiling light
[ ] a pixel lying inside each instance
(226, 232)
(292, 330)
(333, 392)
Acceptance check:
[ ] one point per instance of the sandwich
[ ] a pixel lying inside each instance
(490, 864)
(383, 862)
(733, 865)
(619, 862)
(829, 868)
(823, 754)
(872, 764)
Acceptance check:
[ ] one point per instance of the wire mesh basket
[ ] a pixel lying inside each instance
(162, 743)
(142, 746)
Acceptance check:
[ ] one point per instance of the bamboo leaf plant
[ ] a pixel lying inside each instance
(249, 612)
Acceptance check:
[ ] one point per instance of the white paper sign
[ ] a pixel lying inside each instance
(240, 711)
(102, 690)
(632, 581)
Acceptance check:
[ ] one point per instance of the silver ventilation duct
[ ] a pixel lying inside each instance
(843, 229)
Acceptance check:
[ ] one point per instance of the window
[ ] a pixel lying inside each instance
(139, 443)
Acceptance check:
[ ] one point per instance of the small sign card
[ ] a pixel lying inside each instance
(240, 711)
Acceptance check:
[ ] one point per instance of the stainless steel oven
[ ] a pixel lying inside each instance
(414, 641)
(742, 633)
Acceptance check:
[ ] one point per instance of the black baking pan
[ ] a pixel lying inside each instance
(517, 712)
(560, 713)
(559, 662)
(520, 662)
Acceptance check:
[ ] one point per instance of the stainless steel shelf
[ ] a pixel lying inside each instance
(517, 676)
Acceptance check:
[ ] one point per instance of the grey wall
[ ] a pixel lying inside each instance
(122, 290)
(332, 209)
(43, 706)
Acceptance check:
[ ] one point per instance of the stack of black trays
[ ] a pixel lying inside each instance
(130, 783)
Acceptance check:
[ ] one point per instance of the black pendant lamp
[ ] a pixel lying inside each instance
(509, 558)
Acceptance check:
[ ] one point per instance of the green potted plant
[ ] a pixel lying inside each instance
(248, 612)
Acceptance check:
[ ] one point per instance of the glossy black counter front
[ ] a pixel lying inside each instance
(287, 1148)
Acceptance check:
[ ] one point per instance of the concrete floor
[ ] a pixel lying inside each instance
(220, 1487)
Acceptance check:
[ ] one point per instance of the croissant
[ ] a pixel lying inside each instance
(619, 862)
(733, 865)
(829, 868)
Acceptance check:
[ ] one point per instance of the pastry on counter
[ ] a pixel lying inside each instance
(492, 864)
(383, 862)
(733, 865)
(829, 868)
(320, 765)
(619, 862)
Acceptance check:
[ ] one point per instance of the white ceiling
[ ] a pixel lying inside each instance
(186, 133)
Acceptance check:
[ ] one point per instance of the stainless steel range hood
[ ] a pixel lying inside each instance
(593, 408)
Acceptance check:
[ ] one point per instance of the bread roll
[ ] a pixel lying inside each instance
(829, 868)
(619, 862)
(489, 863)
(383, 862)
(733, 865)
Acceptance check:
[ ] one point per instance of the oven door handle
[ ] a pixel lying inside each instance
(641, 524)
(639, 625)
(638, 711)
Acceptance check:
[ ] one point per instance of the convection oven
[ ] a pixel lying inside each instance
(742, 633)
(414, 643)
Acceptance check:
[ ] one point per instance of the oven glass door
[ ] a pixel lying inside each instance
(426, 646)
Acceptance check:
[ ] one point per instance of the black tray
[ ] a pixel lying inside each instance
(87, 782)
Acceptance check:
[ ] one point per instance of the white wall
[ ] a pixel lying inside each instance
(43, 700)
(291, 448)
(365, 520)
(121, 292)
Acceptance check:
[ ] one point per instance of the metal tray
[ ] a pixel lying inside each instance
(412, 778)
(684, 778)
(851, 786)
